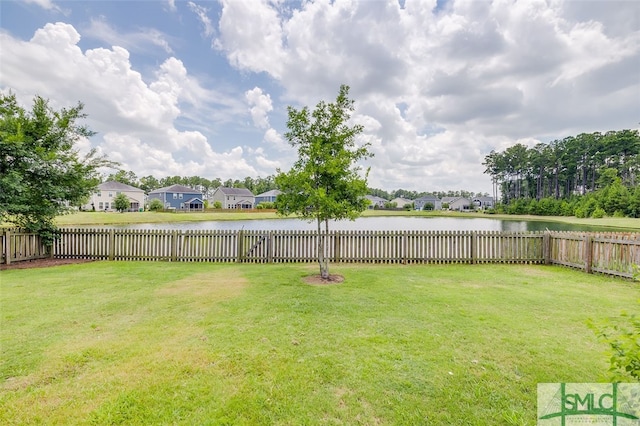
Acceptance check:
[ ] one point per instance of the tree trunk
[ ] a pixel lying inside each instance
(322, 260)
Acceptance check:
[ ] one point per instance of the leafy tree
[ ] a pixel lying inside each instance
(122, 176)
(121, 202)
(217, 205)
(324, 183)
(155, 205)
(41, 172)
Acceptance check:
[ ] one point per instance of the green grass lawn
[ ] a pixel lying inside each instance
(198, 343)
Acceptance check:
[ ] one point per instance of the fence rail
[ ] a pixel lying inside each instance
(610, 253)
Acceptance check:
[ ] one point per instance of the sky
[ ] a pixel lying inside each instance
(201, 88)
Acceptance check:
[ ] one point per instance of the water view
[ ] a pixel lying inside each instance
(388, 223)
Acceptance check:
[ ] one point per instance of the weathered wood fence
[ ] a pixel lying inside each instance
(611, 253)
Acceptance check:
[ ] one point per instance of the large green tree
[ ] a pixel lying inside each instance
(42, 173)
(325, 183)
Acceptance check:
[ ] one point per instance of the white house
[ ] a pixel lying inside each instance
(483, 202)
(429, 199)
(376, 202)
(233, 198)
(401, 202)
(103, 198)
(458, 203)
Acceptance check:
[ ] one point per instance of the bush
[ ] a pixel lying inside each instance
(622, 334)
(155, 205)
(598, 213)
(265, 205)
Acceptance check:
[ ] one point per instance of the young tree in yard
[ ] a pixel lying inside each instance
(122, 202)
(41, 171)
(325, 182)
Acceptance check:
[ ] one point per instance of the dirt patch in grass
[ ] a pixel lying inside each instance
(318, 280)
(42, 263)
(205, 286)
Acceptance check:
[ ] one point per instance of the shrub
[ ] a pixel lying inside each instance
(155, 205)
(622, 334)
(598, 213)
(265, 205)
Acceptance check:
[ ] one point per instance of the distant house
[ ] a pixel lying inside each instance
(458, 203)
(178, 197)
(483, 202)
(401, 202)
(103, 197)
(233, 198)
(267, 197)
(419, 203)
(376, 202)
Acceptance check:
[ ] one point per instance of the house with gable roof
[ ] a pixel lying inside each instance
(233, 198)
(483, 202)
(375, 201)
(103, 198)
(178, 197)
(401, 202)
(458, 203)
(267, 197)
(419, 203)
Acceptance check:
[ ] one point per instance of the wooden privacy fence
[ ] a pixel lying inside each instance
(611, 253)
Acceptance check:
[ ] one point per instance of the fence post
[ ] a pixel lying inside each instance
(405, 247)
(7, 247)
(546, 247)
(112, 244)
(239, 249)
(270, 247)
(174, 246)
(474, 247)
(336, 246)
(588, 253)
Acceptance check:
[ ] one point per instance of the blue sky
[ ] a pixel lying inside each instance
(201, 87)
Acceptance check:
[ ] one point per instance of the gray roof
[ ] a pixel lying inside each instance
(375, 198)
(272, 193)
(428, 197)
(236, 191)
(176, 188)
(117, 186)
(193, 199)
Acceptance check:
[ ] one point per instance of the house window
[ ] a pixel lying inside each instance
(180, 196)
(111, 194)
(99, 194)
(182, 205)
(175, 196)
(100, 205)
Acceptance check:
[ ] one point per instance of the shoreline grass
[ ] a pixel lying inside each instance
(147, 343)
(112, 218)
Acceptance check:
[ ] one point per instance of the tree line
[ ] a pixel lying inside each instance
(255, 185)
(584, 175)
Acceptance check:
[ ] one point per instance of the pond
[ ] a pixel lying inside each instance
(388, 223)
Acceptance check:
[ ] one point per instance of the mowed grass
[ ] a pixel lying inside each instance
(196, 343)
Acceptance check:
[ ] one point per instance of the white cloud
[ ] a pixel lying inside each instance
(251, 36)
(260, 105)
(135, 120)
(436, 88)
(45, 4)
(137, 41)
(201, 12)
